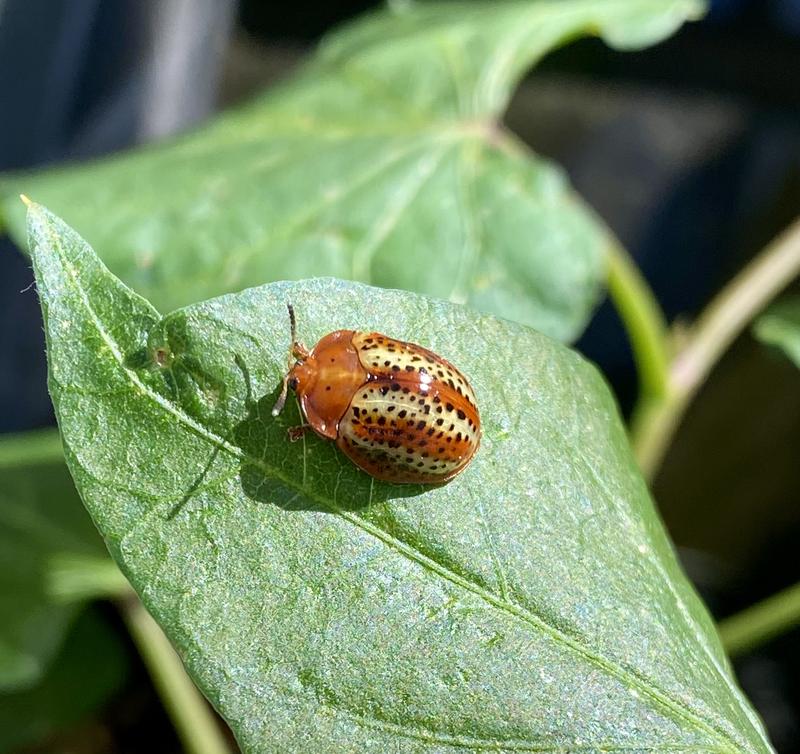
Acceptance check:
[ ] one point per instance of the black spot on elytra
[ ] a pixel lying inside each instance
(458, 437)
(390, 409)
(381, 420)
(395, 386)
(438, 421)
(427, 409)
(438, 409)
(430, 431)
(409, 368)
(461, 414)
(384, 390)
(421, 424)
(437, 399)
(395, 368)
(402, 414)
(327, 387)
(448, 406)
(387, 363)
(406, 390)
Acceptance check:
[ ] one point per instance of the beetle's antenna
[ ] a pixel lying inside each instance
(281, 402)
(292, 323)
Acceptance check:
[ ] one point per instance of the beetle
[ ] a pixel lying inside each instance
(397, 410)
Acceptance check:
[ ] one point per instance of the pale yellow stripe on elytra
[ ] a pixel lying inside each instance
(386, 356)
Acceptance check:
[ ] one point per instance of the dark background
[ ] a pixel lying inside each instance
(690, 151)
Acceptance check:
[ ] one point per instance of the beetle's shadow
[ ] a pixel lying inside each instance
(309, 474)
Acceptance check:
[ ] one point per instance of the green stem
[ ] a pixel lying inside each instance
(77, 577)
(761, 622)
(718, 326)
(193, 719)
(29, 448)
(644, 322)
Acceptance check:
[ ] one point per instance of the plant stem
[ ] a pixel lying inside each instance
(644, 321)
(727, 315)
(736, 306)
(29, 448)
(77, 577)
(761, 622)
(190, 713)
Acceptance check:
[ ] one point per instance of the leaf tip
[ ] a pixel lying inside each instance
(26, 201)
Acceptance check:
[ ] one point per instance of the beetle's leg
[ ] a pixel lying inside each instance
(296, 433)
(281, 402)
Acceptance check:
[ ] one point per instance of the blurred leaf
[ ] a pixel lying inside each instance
(41, 517)
(382, 162)
(534, 603)
(73, 577)
(780, 326)
(89, 668)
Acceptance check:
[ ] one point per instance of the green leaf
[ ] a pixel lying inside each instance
(780, 326)
(383, 161)
(89, 668)
(42, 522)
(532, 604)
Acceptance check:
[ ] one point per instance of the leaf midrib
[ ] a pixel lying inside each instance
(627, 676)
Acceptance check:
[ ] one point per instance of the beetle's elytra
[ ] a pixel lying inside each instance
(397, 410)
